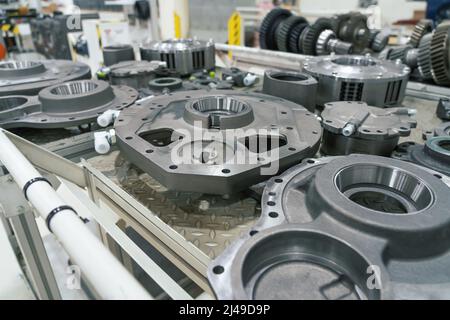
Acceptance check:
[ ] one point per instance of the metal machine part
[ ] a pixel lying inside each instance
(440, 54)
(435, 154)
(378, 40)
(268, 28)
(64, 105)
(295, 44)
(443, 109)
(443, 130)
(30, 77)
(297, 87)
(162, 84)
(216, 142)
(184, 56)
(340, 228)
(135, 74)
(354, 127)
(310, 36)
(422, 28)
(284, 30)
(352, 28)
(328, 43)
(117, 53)
(358, 78)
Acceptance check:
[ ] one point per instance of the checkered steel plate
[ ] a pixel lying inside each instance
(210, 222)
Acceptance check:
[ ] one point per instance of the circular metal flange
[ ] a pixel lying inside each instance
(30, 77)
(161, 84)
(184, 56)
(64, 105)
(216, 142)
(354, 227)
(435, 154)
(354, 127)
(422, 28)
(358, 78)
(297, 87)
(117, 53)
(135, 74)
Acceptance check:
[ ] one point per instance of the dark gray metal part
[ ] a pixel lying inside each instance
(297, 87)
(30, 77)
(64, 105)
(117, 53)
(435, 154)
(443, 130)
(355, 127)
(358, 78)
(135, 74)
(199, 127)
(339, 228)
(184, 56)
(443, 109)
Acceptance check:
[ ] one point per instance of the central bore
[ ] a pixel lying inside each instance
(383, 189)
(219, 105)
(445, 144)
(16, 65)
(74, 88)
(354, 61)
(288, 77)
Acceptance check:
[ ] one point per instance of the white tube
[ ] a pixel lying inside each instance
(101, 269)
(107, 118)
(101, 142)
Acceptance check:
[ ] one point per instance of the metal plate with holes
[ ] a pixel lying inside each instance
(64, 105)
(435, 154)
(355, 127)
(358, 78)
(30, 77)
(135, 74)
(216, 142)
(355, 227)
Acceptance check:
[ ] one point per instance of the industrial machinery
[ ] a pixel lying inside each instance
(117, 53)
(30, 77)
(135, 74)
(64, 105)
(354, 127)
(184, 56)
(358, 78)
(216, 142)
(355, 227)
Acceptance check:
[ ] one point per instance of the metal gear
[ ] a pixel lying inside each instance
(269, 26)
(440, 54)
(284, 31)
(424, 59)
(420, 29)
(313, 33)
(399, 53)
(353, 28)
(378, 40)
(295, 36)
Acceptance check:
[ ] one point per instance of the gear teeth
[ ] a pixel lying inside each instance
(422, 28)
(268, 27)
(284, 30)
(399, 53)
(423, 59)
(313, 33)
(294, 37)
(439, 55)
(378, 40)
(321, 45)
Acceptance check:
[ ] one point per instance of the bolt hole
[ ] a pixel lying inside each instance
(173, 167)
(273, 215)
(129, 138)
(271, 203)
(226, 171)
(253, 232)
(279, 180)
(218, 269)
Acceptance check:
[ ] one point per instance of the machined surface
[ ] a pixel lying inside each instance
(420, 29)
(30, 77)
(434, 154)
(338, 228)
(358, 78)
(182, 55)
(215, 142)
(64, 105)
(355, 127)
(297, 87)
(135, 74)
(117, 53)
(443, 129)
(443, 109)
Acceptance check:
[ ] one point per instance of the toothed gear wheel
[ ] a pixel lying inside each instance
(295, 36)
(355, 31)
(423, 58)
(422, 28)
(284, 30)
(384, 55)
(322, 41)
(440, 54)
(312, 35)
(269, 26)
(399, 53)
(378, 40)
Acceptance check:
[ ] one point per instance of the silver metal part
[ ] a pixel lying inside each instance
(354, 127)
(117, 53)
(216, 142)
(135, 74)
(297, 87)
(184, 56)
(358, 78)
(30, 77)
(64, 105)
(341, 228)
(328, 43)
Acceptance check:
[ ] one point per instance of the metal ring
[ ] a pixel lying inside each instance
(30, 182)
(54, 212)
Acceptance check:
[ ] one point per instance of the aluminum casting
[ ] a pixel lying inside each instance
(135, 74)
(117, 53)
